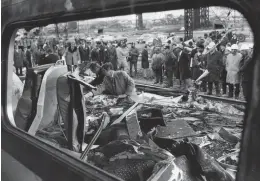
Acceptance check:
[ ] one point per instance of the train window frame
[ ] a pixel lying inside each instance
(7, 114)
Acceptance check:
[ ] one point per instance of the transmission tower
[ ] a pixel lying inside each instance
(188, 23)
(139, 21)
(194, 19)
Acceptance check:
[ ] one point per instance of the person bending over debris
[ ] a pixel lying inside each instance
(96, 68)
(115, 82)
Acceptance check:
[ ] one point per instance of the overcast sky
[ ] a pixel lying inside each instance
(219, 11)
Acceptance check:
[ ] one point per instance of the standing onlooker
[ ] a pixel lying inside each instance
(184, 68)
(197, 61)
(18, 60)
(157, 63)
(49, 58)
(61, 49)
(133, 58)
(27, 58)
(122, 54)
(72, 56)
(223, 74)
(234, 39)
(232, 66)
(207, 39)
(112, 55)
(246, 70)
(84, 51)
(214, 63)
(170, 61)
(145, 61)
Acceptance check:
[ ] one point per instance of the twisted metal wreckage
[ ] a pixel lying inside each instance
(144, 137)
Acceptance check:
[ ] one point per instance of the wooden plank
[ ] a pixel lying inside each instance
(118, 120)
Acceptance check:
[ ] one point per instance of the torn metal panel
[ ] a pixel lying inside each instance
(175, 129)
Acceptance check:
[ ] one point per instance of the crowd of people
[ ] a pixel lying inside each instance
(228, 66)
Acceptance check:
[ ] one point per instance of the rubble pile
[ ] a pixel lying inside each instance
(212, 128)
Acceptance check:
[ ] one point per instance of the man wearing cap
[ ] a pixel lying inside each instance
(246, 70)
(232, 66)
(183, 67)
(197, 62)
(223, 75)
(157, 63)
(95, 52)
(84, 51)
(122, 54)
(72, 56)
(133, 58)
(207, 39)
(214, 64)
(115, 83)
(170, 62)
(112, 55)
(145, 61)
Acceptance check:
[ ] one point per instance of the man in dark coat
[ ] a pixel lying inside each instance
(27, 58)
(170, 61)
(50, 57)
(246, 70)
(184, 68)
(18, 60)
(214, 64)
(158, 60)
(133, 58)
(197, 63)
(112, 55)
(96, 68)
(145, 61)
(84, 52)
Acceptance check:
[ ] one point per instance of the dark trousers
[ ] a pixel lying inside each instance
(169, 75)
(71, 68)
(203, 86)
(210, 86)
(131, 67)
(246, 88)
(231, 90)
(158, 75)
(17, 70)
(224, 87)
(224, 83)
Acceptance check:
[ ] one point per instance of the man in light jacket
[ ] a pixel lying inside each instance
(232, 66)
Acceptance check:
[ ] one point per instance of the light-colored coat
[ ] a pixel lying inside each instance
(232, 67)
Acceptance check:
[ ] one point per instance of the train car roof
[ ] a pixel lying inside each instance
(28, 10)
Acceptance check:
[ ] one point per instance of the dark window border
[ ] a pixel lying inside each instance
(24, 143)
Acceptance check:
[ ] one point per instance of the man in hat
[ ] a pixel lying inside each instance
(158, 60)
(232, 66)
(133, 58)
(112, 55)
(96, 68)
(214, 64)
(122, 55)
(18, 60)
(115, 83)
(207, 39)
(183, 69)
(197, 61)
(170, 62)
(223, 74)
(246, 69)
(84, 51)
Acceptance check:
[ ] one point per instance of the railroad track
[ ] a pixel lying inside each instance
(171, 92)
